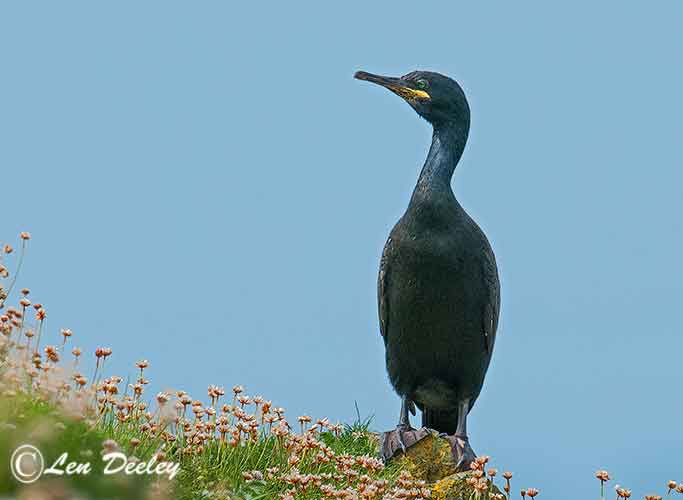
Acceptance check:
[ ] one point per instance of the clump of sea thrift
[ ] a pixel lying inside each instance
(184, 429)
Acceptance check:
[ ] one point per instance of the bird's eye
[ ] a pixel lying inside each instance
(422, 84)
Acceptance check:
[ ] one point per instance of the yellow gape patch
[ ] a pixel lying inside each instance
(408, 93)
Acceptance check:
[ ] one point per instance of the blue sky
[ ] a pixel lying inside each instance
(207, 187)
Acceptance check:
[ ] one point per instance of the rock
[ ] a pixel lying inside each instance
(431, 459)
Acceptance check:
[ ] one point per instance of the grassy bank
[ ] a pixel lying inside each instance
(61, 400)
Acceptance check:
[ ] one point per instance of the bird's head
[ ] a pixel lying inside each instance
(436, 98)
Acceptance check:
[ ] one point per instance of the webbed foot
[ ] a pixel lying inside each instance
(463, 454)
(399, 440)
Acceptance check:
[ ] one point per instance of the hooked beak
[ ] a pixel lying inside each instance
(396, 85)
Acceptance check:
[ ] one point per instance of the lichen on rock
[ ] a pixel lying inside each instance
(431, 460)
(460, 486)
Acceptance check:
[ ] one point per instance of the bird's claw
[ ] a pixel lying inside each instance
(399, 436)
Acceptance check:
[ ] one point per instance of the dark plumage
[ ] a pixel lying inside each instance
(438, 288)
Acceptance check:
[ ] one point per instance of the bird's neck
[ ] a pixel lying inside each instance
(448, 144)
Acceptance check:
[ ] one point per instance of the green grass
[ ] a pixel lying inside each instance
(216, 472)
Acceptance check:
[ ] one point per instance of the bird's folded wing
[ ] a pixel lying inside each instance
(382, 289)
(492, 306)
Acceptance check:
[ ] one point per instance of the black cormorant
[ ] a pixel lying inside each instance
(438, 287)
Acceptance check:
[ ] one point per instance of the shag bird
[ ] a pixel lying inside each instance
(438, 288)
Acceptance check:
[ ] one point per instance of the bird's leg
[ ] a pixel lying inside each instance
(403, 436)
(403, 422)
(404, 418)
(462, 451)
